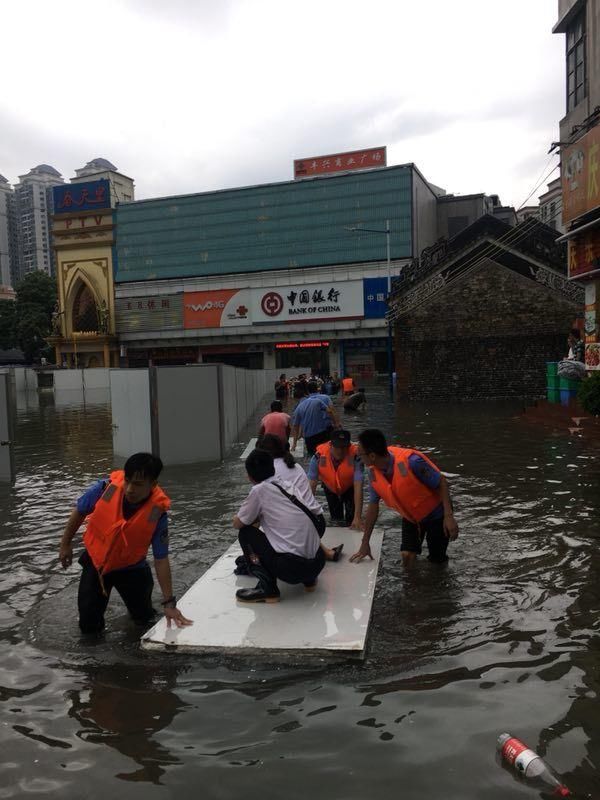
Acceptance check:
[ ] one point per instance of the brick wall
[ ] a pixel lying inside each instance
(487, 335)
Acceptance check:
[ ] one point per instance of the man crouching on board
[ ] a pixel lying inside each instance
(288, 546)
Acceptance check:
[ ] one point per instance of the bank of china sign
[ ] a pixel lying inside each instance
(298, 303)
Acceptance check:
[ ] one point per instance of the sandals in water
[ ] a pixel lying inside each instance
(337, 552)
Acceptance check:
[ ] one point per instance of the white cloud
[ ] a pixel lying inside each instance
(187, 96)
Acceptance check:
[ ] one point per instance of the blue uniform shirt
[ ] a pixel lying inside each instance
(313, 468)
(160, 538)
(311, 414)
(421, 470)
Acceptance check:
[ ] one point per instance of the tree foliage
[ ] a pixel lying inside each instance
(26, 322)
(589, 394)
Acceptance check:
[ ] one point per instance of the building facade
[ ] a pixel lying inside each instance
(33, 213)
(9, 248)
(281, 275)
(477, 315)
(550, 207)
(579, 22)
(270, 276)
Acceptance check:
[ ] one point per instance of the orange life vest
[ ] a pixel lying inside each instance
(114, 542)
(337, 480)
(348, 385)
(406, 494)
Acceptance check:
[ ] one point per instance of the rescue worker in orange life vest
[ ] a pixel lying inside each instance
(125, 515)
(337, 465)
(409, 483)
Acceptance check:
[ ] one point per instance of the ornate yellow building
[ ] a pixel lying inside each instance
(83, 240)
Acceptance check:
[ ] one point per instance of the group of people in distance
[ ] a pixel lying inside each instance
(280, 523)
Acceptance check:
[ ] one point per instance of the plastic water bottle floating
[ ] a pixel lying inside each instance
(529, 764)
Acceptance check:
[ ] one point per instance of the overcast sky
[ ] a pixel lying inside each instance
(192, 95)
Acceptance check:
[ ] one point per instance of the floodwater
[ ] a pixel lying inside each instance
(505, 638)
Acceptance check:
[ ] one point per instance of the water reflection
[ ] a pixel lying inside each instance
(125, 711)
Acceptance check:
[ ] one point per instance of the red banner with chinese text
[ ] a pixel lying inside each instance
(340, 162)
(584, 253)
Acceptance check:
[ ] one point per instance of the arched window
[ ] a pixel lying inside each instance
(85, 313)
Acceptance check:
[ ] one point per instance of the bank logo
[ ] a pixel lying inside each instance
(272, 304)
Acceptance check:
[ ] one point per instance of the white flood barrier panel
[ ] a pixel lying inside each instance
(6, 430)
(333, 618)
(298, 452)
(130, 403)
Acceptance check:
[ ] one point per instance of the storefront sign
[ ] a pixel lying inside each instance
(340, 162)
(149, 313)
(590, 326)
(580, 167)
(584, 253)
(219, 308)
(375, 291)
(592, 356)
(71, 198)
(299, 345)
(308, 302)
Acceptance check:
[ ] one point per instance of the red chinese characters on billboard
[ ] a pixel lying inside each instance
(584, 254)
(340, 162)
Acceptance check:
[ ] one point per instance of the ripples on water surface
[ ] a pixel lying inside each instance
(505, 638)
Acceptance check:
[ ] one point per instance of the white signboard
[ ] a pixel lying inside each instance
(307, 302)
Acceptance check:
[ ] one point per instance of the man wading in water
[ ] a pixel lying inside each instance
(125, 514)
(409, 483)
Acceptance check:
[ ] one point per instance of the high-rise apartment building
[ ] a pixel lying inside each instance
(9, 251)
(34, 207)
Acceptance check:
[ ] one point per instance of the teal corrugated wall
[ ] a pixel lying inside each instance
(274, 226)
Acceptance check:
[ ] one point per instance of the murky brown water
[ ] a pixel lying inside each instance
(505, 638)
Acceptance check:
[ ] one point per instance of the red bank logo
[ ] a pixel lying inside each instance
(272, 304)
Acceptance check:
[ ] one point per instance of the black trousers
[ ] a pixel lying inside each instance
(432, 532)
(134, 586)
(341, 507)
(285, 566)
(312, 442)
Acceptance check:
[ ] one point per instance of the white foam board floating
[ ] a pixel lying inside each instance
(335, 617)
(298, 452)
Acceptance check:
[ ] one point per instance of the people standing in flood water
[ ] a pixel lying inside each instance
(356, 401)
(126, 514)
(410, 483)
(337, 465)
(316, 416)
(276, 422)
(287, 546)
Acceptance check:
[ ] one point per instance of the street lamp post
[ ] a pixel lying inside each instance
(390, 359)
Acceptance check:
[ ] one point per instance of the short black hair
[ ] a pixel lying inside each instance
(361, 391)
(143, 464)
(259, 465)
(276, 405)
(372, 440)
(312, 387)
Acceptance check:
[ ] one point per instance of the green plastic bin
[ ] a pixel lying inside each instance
(553, 382)
(552, 368)
(553, 395)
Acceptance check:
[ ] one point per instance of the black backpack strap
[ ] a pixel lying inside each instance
(299, 504)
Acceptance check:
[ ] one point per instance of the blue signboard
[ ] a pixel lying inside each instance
(73, 197)
(375, 291)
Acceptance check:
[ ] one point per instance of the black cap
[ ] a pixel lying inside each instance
(340, 438)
